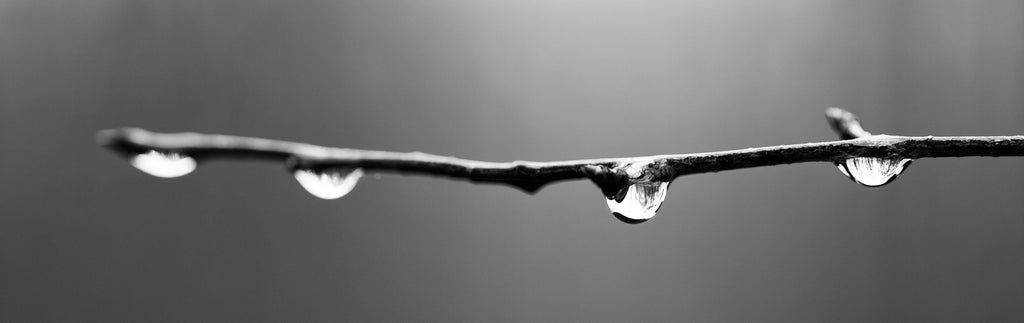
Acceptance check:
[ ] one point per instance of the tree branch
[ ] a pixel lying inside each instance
(610, 174)
(844, 124)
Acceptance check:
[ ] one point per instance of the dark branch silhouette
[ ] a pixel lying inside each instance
(610, 174)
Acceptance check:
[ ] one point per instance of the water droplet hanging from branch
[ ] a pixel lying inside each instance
(872, 172)
(634, 186)
(165, 165)
(638, 202)
(328, 184)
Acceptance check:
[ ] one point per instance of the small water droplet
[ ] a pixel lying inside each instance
(165, 165)
(329, 184)
(872, 172)
(640, 202)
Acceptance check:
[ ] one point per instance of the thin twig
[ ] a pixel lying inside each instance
(845, 124)
(611, 174)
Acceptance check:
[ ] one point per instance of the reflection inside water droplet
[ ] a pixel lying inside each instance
(873, 172)
(166, 165)
(329, 184)
(640, 202)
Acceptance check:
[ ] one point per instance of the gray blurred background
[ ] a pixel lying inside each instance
(85, 237)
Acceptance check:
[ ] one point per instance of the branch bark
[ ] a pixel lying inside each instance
(610, 174)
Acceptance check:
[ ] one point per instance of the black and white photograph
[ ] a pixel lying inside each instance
(511, 161)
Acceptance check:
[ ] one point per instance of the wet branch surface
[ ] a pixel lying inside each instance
(610, 174)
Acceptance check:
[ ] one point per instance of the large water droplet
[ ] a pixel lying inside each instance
(640, 202)
(873, 172)
(329, 184)
(166, 165)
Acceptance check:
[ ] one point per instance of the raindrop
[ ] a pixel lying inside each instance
(640, 202)
(872, 172)
(165, 165)
(329, 184)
